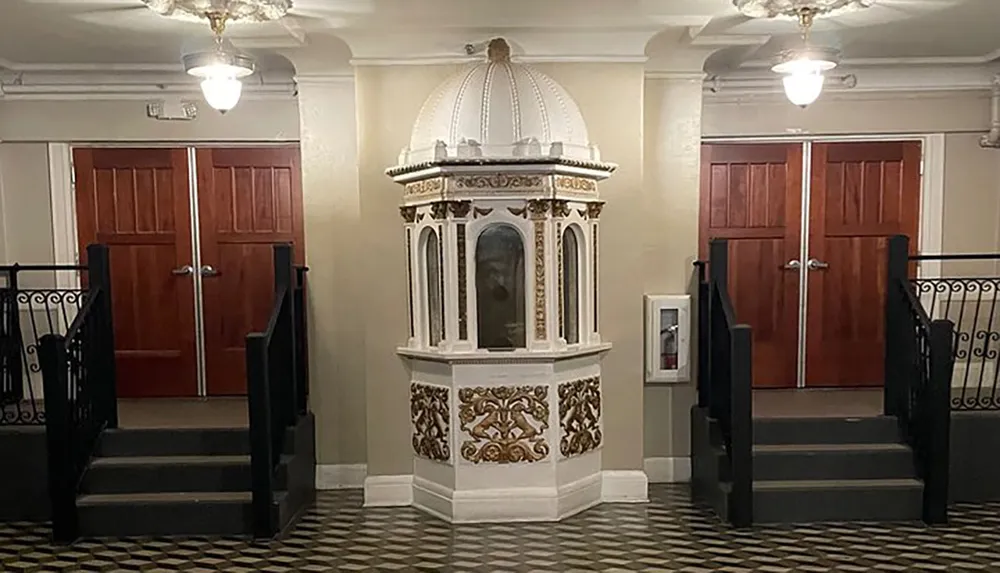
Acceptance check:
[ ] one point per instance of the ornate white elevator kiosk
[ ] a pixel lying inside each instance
(501, 211)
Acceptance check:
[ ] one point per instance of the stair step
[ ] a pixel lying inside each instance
(805, 501)
(833, 461)
(174, 442)
(186, 513)
(168, 514)
(784, 431)
(167, 474)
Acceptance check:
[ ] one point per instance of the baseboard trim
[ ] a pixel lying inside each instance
(507, 505)
(341, 476)
(668, 470)
(389, 491)
(624, 486)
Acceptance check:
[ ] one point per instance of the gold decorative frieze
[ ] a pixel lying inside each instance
(429, 414)
(580, 416)
(559, 265)
(575, 184)
(498, 181)
(560, 208)
(481, 212)
(463, 297)
(439, 210)
(504, 424)
(518, 211)
(409, 214)
(425, 187)
(538, 208)
(539, 280)
(594, 210)
(460, 209)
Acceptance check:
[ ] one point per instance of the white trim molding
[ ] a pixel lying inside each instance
(63, 205)
(668, 470)
(624, 486)
(341, 476)
(513, 504)
(389, 491)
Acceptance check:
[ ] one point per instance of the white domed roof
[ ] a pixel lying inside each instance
(499, 109)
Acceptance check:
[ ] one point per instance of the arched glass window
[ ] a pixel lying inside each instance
(500, 288)
(432, 278)
(571, 286)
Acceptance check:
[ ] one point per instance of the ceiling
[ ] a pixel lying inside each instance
(86, 32)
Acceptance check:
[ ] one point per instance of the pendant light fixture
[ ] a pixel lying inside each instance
(221, 68)
(802, 68)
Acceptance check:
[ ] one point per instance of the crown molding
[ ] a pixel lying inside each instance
(323, 79)
(859, 82)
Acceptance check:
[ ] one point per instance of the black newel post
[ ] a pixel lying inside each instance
(898, 322)
(284, 274)
(741, 394)
(718, 269)
(53, 359)
(937, 422)
(99, 279)
(258, 397)
(704, 294)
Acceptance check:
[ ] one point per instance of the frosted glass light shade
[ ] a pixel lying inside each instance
(222, 93)
(803, 89)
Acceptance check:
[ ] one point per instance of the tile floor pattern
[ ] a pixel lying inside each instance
(668, 534)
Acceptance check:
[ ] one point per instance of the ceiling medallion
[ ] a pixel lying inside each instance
(231, 10)
(796, 8)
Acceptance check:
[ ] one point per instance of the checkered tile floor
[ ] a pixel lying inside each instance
(668, 534)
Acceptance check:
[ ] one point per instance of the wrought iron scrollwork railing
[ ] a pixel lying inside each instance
(276, 386)
(727, 387)
(78, 375)
(971, 303)
(27, 313)
(919, 360)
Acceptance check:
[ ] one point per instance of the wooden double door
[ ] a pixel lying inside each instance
(190, 233)
(807, 224)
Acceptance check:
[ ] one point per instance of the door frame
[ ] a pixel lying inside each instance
(930, 225)
(62, 203)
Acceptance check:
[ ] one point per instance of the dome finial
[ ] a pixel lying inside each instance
(498, 51)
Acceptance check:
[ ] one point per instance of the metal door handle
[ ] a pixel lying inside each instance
(209, 271)
(792, 265)
(816, 264)
(182, 271)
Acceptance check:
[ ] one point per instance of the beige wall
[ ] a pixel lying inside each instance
(25, 204)
(125, 120)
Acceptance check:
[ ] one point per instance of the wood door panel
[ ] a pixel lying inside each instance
(767, 295)
(861, 194)
(136, 201)
(751, 195)
(249, 199)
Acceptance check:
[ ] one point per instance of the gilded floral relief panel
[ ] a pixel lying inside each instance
(580, 416)
(504, 424)
(430, 421)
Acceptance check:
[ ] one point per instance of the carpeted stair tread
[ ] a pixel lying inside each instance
(876, 447)
(165, 498)
(776, 485)
(169, 460)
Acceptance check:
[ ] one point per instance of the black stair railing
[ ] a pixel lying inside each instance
(972, 303)
(729, 381)
(30, 307)
(918, 373)
(78, 377)
(274, 388)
